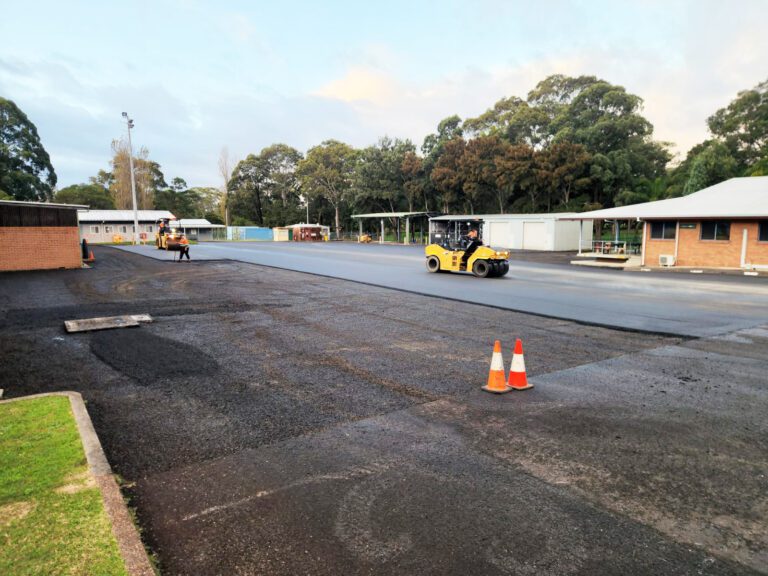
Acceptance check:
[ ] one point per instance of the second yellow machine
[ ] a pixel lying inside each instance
(450, 240)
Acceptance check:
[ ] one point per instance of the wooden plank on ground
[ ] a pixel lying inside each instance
(104, 323)
(144, 318)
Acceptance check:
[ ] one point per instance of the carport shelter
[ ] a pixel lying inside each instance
(39, 236)
(723, 226)
(397, 216)
(201, 229)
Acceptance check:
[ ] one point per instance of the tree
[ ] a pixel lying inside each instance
(225, 170)
(182, 201)
(414, 180)
(743, 126)
(207, 204)
(26, 172)
(478, 163)
(327, 173)
(93, 195)
(282, 185)
(247, 190)
(447, 175)
(712, 165)
(379, 179)
(569, 164)
(516, 172)
(147, 174)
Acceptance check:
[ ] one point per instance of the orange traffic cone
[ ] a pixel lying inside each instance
(496, 383)
(91, 257)
(517, 378)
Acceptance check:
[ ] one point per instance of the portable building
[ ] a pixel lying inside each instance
(310, 232)
(105, 226)
(521, 231)
(282, 234)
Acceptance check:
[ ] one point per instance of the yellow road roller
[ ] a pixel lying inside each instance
(456, 246)
(168, 234)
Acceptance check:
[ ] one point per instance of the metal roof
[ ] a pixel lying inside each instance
(391, 214)
(197, 223)
(43, 204)
(122, 215)
(735, 198)
(497, 217)
(303, 225)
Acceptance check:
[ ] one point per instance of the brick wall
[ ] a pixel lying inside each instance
(39, 248)
(692, 251)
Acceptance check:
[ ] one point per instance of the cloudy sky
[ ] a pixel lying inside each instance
(198, 75)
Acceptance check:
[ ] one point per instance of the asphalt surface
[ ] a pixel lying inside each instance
(274, 422)
(689, 305)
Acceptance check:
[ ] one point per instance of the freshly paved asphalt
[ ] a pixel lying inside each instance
(684, 305)
(273, 422)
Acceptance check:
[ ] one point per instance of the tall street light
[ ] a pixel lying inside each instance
(129, 123)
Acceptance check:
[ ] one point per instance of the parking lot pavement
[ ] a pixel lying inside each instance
(675, 304)
(283, 423)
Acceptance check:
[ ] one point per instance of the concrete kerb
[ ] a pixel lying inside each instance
(132, 550)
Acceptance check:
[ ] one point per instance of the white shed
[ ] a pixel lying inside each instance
(527, 231)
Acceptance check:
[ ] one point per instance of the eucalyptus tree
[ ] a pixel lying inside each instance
(26, 172)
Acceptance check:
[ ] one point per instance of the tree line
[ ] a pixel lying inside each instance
(572, 144)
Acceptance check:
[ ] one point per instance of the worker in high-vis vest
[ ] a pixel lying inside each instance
(184, 248)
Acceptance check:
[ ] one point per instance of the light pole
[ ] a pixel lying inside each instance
(129, 123)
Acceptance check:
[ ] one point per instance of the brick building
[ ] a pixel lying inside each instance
(38, 236)
(723, 226)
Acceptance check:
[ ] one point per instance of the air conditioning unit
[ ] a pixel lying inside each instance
(666, 260)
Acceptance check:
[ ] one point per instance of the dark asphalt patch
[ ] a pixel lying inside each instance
(147, 357)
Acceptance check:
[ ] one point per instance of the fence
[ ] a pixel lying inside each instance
(249, 233)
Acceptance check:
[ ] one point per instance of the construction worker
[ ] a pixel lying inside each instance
(161, 231)
(471, 243)
(183, 248)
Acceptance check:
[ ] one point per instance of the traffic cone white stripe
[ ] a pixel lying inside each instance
(518, 363)
(497, 361)
(496, 383)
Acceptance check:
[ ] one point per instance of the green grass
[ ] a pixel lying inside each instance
(52, 519)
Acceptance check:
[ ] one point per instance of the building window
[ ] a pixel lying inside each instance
(107, 229)
(762, 234)
(663, 230)
(123, 229)
(94, 229)
(150, 229)
(716, 230)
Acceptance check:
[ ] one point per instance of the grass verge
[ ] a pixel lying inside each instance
(52, 518)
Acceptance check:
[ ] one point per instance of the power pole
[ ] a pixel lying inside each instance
(129, 123)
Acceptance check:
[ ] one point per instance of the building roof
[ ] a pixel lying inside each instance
(122, 215)
(42, 204)
(197, 223)
(496, 217)
(303, 225)
(735, 198)
(390, 214)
